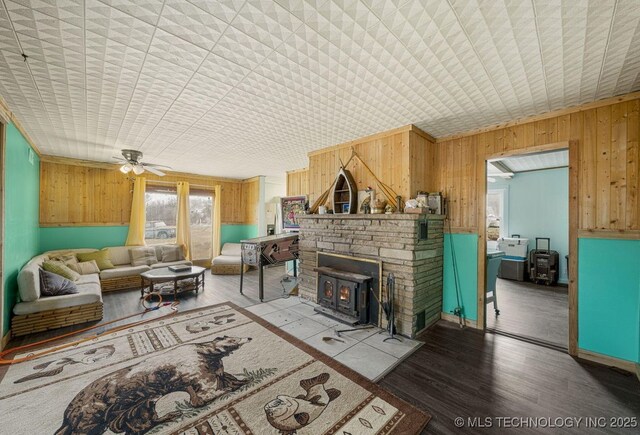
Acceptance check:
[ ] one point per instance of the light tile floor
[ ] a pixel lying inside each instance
(364, 351)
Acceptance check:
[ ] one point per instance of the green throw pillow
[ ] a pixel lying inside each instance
(101, 257)
(59, 268)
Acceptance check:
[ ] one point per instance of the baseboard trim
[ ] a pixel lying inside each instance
(5, 340)
(609, 361)
(453, 318)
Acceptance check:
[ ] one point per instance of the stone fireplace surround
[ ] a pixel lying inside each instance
(391, 239)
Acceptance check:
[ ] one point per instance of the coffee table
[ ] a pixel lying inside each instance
(159, 280)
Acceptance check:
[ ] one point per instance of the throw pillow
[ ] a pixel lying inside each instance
(101, 257)
(86, 267)
(52, 284)
(171, 253)
(143, 256)
(59, 268)
(67, 258)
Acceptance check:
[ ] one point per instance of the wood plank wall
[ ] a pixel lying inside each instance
(397, 157)
(298, 182)
(250, 197)
(609, 164)
(80, 193)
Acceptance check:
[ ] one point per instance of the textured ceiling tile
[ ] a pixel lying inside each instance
(179, 78)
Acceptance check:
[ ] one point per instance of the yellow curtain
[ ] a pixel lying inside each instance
(183, 221)
(138, 219)
(217, 201)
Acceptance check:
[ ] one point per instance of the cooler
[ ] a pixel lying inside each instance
(512, 269)
(514, 248)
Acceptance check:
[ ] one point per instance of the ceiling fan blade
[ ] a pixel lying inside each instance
(152, 165)
(154, 171)
(119, 159)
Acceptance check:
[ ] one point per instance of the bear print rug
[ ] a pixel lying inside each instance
(215, 370)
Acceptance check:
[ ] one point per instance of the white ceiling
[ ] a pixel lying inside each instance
(532, 162)
(240, 88)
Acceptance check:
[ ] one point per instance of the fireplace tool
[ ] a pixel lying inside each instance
(389, 309)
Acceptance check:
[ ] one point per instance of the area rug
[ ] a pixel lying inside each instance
(216, 370)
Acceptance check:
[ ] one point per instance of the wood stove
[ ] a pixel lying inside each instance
(348, 288)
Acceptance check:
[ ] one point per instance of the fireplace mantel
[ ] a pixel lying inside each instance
(392, 239)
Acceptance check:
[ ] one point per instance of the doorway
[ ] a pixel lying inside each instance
(527, 236)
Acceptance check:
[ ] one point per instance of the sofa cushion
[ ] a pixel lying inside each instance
(88, 293)
(120, 255)
(171, 253)
(143, 256)
(124, 271)
(68, 258)
(52, 284)
(226, 259)
(86, 267)
(59, 268)
(101, 257)
(171, 263)
(231, 249)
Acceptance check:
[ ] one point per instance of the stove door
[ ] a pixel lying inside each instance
(347, 297)
(327, 290)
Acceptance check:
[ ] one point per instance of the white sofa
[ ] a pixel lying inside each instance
(229, 261)
(34, 313)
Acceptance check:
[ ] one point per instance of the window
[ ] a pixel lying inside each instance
(161, 210)
(201, 208)
(497, 206)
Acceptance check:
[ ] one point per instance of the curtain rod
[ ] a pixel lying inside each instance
(173, 183)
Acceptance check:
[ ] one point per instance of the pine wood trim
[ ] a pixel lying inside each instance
(530, 150)
(543, 116)
(609, 234)
(574, 216)
(9, 116)
(459, 230)
(454, 319)
(609, 361)
(295, 171)
(5, 340)
(84, 224)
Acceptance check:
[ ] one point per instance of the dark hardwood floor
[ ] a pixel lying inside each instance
(533, 311)
(456, 372)
(464, 373)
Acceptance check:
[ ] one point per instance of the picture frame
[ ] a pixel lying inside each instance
(345, 208)
(291, 207)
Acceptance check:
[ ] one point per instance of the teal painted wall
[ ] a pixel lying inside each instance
(52, 238)
(466, 254)
(235, 233)
(539, 207)
(21, 208)
(609, 297)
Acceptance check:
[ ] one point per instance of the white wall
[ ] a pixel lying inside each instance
(274, 188)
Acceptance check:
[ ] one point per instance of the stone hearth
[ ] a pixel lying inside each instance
(392, 239)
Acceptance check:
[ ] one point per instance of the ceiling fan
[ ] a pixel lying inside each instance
(132, 163)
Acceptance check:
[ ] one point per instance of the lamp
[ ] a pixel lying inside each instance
(126, 168)
(138, 169)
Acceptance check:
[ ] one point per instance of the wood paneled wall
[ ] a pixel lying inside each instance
(298, 182)
(397, 157)
(250, 197)
(77, 193)
(608, 154)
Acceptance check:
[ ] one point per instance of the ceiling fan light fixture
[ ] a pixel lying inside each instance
(126, 168)
(137, 169)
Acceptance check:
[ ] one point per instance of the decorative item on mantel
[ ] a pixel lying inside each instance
(379, 206)
(345, 194)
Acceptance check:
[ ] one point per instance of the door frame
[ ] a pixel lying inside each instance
(574, 161)
(4, 335)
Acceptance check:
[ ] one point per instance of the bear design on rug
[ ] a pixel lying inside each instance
(288, 414)
(124, 400)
